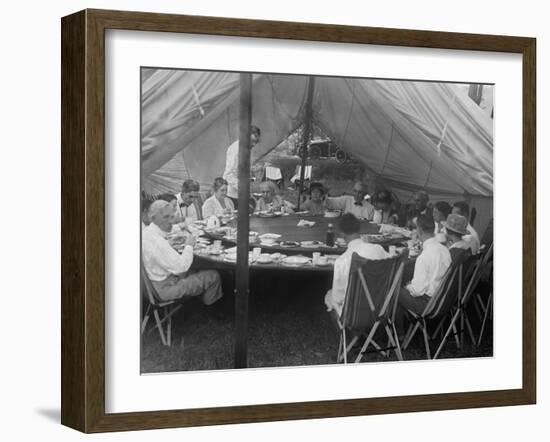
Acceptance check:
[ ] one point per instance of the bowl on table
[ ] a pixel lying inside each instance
(269, 239)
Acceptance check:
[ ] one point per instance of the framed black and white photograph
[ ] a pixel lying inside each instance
(289, 221)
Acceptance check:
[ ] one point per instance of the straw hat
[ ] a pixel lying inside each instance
(456, 223)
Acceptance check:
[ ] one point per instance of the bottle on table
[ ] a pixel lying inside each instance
(330, 236)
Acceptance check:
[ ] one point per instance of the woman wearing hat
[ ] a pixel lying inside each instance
(315, 204)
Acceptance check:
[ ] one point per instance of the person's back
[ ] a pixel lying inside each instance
(349, 226)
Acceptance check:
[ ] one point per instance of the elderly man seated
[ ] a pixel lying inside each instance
(270, 201)
(349, 226)
(188, 208)
(167, 269)
(462, 208)
(356, 204)
(420, 207)
(429, 269)
(455, 229)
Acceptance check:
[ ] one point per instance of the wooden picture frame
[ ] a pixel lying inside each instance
(83, 220)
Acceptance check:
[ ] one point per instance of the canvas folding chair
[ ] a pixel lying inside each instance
(465, 273)
(469, 284)
(370, 302)
(162, 311)
(487, 306)
(440, 304)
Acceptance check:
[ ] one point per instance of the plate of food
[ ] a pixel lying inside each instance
(289, 244)
(312, 244)
(268, 214)
(375, 238)
(296, 260)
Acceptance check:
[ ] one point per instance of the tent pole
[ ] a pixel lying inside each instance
(306, 135)
(242, 271)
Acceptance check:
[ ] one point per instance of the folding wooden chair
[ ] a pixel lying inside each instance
(162, 311)
(439, 305)
(370, 303)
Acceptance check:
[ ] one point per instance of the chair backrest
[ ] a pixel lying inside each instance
(147, 287)
(372, 291)
(472, 279)
(447, 293)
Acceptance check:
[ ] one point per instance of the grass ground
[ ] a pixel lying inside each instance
(288, 326)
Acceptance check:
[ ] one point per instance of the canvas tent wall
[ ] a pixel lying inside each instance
(409, 135)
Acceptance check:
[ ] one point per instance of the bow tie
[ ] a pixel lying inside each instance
(358, 204)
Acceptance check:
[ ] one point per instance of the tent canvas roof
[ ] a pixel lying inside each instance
(413, 134)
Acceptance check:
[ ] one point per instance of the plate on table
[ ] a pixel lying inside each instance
(332, 213)
(289, 244)
(267, 214)
(312, 244)
(375, 238)
(269, 236)
(296, 260)
(264, 258)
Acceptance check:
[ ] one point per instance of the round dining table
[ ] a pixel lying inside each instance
(288, 227)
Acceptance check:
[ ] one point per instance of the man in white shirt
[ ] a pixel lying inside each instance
(472, 239)
(231, 173)
(429, 269)
(167, 269)
(356, 204)
(188, 209)
(349, 226)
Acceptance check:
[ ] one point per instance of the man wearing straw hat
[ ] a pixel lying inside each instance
(167, 269)
(456, 227)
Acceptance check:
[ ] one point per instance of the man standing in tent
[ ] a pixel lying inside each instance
(356, 204)
(231, 173)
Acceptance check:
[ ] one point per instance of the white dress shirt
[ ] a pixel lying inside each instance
(343, 264)
(159, 258)
(231, 172)
(429, 269)
(188, 213)
(346, 203)
(213, 207)
(472, 239)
